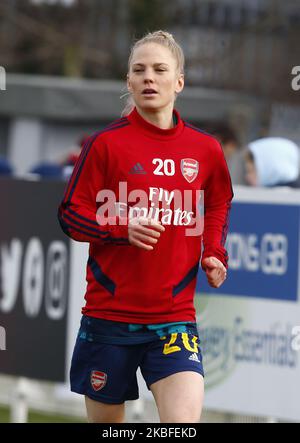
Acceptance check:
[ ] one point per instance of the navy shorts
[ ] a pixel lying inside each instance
(106, 371)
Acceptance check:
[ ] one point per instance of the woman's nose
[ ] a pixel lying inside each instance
(148, 75)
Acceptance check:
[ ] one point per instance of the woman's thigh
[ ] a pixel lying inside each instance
(179, 397)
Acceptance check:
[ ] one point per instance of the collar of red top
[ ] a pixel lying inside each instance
(154, 131)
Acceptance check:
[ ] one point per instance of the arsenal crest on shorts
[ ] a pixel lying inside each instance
(98, 380)
(189, 169)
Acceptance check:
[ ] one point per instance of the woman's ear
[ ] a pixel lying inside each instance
(180, 84)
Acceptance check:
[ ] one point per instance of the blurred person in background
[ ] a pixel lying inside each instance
(69, 161)
(62, 168)
(232, 150)
(142, 270)
(71, 158)
(272, 161)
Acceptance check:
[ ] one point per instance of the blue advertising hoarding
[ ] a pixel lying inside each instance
(263, 248)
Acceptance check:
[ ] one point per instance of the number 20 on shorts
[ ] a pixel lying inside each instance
(169, 348)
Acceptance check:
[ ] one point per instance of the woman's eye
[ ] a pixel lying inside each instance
(141, 70)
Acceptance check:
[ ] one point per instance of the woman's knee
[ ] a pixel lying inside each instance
(181, 416)
(99, 412)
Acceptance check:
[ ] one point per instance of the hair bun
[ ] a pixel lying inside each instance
(165, 34)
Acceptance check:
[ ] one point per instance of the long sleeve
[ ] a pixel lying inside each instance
(77, 212)
(218, 195)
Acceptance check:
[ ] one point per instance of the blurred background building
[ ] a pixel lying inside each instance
(240, 45)
(239, 57)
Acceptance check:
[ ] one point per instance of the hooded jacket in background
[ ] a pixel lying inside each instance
(277, 161)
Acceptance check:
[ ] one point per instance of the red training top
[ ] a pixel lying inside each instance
(126, 283)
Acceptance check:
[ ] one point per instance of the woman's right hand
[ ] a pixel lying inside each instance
(143, 230)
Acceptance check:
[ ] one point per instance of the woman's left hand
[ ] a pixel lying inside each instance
(215, 271)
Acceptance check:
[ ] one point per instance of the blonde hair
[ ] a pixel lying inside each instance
(162, 38)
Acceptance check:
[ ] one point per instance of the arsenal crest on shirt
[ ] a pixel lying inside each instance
(189, 169)
(98, 380)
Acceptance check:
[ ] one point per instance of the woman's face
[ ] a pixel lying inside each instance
(153, 67)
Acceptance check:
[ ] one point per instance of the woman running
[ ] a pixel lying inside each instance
(134, 196)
